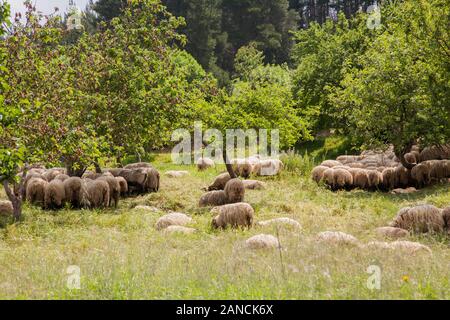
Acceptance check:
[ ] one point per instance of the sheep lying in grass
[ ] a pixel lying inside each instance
(172, 219)
(176, 174)
(421, 219)
(253, 184)
(262, 241)
(392, 232)
(234, 192)
(6, 208)
(36, 191)
(270, 167)
(76, 192)
(99, 193)
(337, 238)
(55, 195)
(220, 182)
(234, 215)
(138, 165)
(205, 163)
(407, 247)
(280, 222)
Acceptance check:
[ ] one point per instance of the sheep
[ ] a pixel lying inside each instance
(348, 159)
(205, 163)
(317, 173)
(337, 237)
(242, 167)
(446, 217)
(421, 174)
(356, 165)
(115, 171)
(360, 178)
(404, 191)
(76, 192)
(62, 177)
(135, 178)
(235, 215)
(36, 191)
(262, 241)
(6, 208)
(176, 174)
(375, 179)
(410, 157)
(435, 153)
(138, 165)
(172, 219)
(389, 181)
(420, 219)
(220, 182)
(402, 177)
(30, 175)
(51, 174)
(99, 193)
(55, 195)
(328, 177)
(280, 221)
(270, 167)
(253, 184)
(152, 182)
(234, 191)
(114, 189)
(179, 229)
(409, 247)
(123, 185)
(392, 232)
(213, 198)
(330, 163)
(342, 179)
(439, 169)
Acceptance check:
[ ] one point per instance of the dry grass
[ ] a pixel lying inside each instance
(122, 256)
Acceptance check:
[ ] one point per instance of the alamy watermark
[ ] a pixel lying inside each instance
(374, 280)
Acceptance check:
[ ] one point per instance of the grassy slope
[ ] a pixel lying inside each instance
(122, 256)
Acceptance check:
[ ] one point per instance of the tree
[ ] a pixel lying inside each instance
(401, 94)
(109, 9)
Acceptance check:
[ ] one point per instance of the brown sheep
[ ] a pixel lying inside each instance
(330, 163)
(115, 171)
(36, 191)
(234, 215)
(152, 181)
(375, 179)
(55, 195)
(360, 178)
(421, 219)
(328, 177)
(62, 177)
(220, 182)
(421, 174)
(439, 169)
(317, 173)
(138, 165)
(411, 158)
(205, 163)
(6, 208)
(135, 178)
(235, 191)
(342, 179)
(76, 192)
(98, 191)
(389, 181)
(123, 185)
(51, 174)
(213, 198)
(435, 153)
(242, 167)
(446, 217)
(114, 189)
(402, 177)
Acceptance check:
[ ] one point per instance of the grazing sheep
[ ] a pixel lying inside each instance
(213, 198)
(439, 169)
(6, 208)
(242, 167)
(348, 159)
(234, 215)
(402, 177)
(280, 221)
(356, 165)
(123, 185)
(446, 217)
(135, 178)
(328, 177)
(317, 173)
(331, 163)
(62, 177)
(172, 219)
(271, 167)
(235, 191)
(392, 232)
(360, 178)
(253, 184)
(115, 171)
(76, 192)
(220, 182)
(30, 175)
(205, 163)
(421, 219)
(36, 191)
(153, 180)
(411, 158)
(435, 153)
(389, 178)
(337, 237)
(375, 179)
(99, 193)
(179, 229)
(114, 189)
(176, 174)
(51, 174)
(55, 195)
(342, 179)
(262, 241)
(138, 165)
(93, 175)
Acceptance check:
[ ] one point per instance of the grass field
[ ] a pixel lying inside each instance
(122, 256)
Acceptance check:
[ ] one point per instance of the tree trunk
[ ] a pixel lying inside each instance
(228, 165)
(16, 200)
(400, 153)
(97, 168)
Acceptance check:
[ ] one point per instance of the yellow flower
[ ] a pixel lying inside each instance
(405, 279)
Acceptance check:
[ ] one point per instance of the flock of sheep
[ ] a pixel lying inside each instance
(383, 171)
(53, 188)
